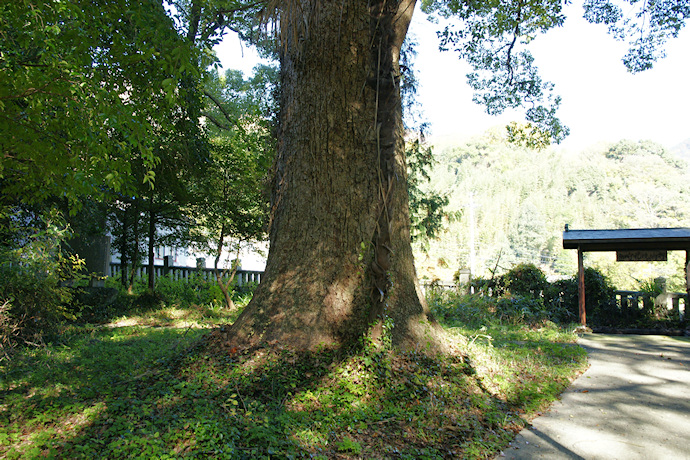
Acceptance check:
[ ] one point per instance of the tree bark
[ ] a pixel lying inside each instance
(152, 246)
(135, 260)
(124, 252)
(340, 258)
(225, 285)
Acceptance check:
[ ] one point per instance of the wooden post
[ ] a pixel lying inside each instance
(581, 286)
(687, 286)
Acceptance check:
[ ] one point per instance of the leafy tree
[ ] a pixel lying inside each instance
(126, 226)
(427, 207)
(491, 37)
(231, 207)
(340, 255)
(81, 86)
(528, 237)
(34, 271)
(647, 26)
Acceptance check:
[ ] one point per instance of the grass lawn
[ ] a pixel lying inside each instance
(155, 386)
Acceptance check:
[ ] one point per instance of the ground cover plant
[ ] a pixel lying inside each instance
(120, 391)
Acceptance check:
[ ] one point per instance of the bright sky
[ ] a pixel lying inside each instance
(601, 100)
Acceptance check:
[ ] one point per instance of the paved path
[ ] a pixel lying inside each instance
(632, 403)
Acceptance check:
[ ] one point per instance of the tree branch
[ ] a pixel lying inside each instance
(212, 119)
(516, 34)
(231, 119)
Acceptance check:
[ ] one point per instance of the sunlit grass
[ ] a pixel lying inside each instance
(143, 390)
(527, 366)
(196, 316)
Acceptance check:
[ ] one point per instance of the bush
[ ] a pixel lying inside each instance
(524, 296)
(600, 299)
(185, 293)
(492, 287)
(525, 280)
(456, 309)
(9, 328)
(34, 284)
(521, 280)
(520, 309)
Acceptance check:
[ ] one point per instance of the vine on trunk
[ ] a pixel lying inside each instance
(385, 82)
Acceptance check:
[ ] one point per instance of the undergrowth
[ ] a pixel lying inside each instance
(152, 392)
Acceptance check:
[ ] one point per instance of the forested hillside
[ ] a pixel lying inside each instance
(521, 200)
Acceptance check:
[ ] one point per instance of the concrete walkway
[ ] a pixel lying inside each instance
(632, 403)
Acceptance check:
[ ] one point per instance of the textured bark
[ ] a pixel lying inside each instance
(340, 255)
(151, 247)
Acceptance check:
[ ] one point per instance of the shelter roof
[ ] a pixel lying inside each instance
(628, 239)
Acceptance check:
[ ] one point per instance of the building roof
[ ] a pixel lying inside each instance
(628, 239)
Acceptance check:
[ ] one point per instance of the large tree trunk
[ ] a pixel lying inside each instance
(340, 257)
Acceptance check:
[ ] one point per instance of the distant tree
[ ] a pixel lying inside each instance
(231, 203)
(427, 206)
(529, 233)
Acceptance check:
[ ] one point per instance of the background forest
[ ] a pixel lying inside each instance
(515, 202)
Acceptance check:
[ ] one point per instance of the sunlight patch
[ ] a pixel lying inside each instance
(124, 322)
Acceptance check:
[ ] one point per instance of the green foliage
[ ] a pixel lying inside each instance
(185, 293)
(600, 301)
(34, 273)
(427, 207)
(519, 309)
(523, 296)
(492, 37)
(128, 391)
(651, 287)
(182, 293)
(647, 26)
(525, 280)
(67, 128)
(231, 203)
(471, 311)
(523, 198)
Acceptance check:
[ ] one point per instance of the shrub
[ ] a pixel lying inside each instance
(600, 299)
(9, 328)
(492, 287)
(462, 309)
(520, 309)
(524, 296)
(525, 280)
(34, 283)
(101, 304)
(560, 298)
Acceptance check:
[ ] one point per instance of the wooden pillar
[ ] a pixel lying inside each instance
(581, 286)
(687, 286)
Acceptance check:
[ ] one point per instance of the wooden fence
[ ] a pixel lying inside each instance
(184, 273)
(631, 304)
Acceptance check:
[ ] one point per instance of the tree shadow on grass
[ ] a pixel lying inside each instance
(116, 395)
(50, 394)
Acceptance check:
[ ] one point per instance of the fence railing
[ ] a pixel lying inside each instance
(184, 273)
(631, 303)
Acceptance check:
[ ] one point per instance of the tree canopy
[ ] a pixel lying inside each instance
(494, 38)
(82, 87)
